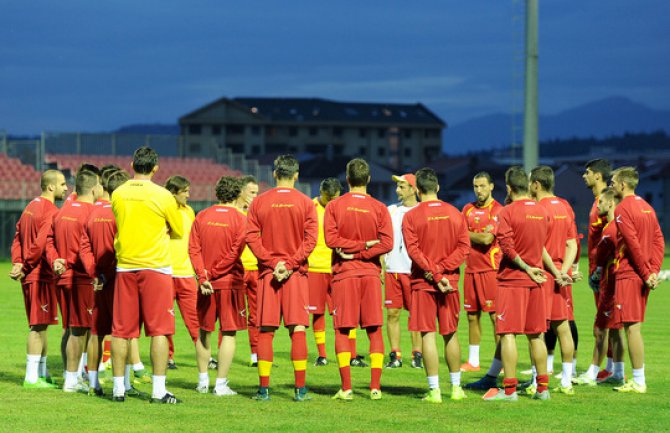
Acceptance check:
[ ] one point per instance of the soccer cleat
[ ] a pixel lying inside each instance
(347, 395)
(584, 379)
(499, 395)
(358, 361)
(300, 395)
(40, 384)
(485, 383)
(213, 364)
(118, 398)
(417, 360)
(253, 364)
(375, 394)
(223, 391)
(544, 395)
(78, 387)
(96, 392)
(141, 376)
(602, 375)
(530, 389)
(394, 361)
(457, 393)
(202, 389)
(134, 392)
(166, 399)
(171, 364)
(320, 361)
(567, 390)
(434, 395)
(467, 367)
(263, 394)
(631, 386)
(612, 380)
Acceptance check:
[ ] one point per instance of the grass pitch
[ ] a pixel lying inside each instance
(591, 409)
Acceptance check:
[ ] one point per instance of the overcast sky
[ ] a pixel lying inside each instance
(94, 66)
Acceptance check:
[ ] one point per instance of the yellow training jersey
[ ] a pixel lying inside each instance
(321, 257)
(249, 261)
(146, 217)
(181, 262)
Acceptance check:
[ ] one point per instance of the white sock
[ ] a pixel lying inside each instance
(203, 379)
(550, 364)
(574, 367)
(534, 378)
(638, 376)
(433, 381)
(496, 366)
(32, 368)
(71, 378)
(618, 372)
(592, 372)
(473, 355)
(455, 378)
(139, 366)
(93, 379)
(254, 357)
(221, 382)
(610, 365)
(126, 378)
(566, 377)
(101, 367)
(42, 370)
(119, 389)
(82, 364)
(159, 390)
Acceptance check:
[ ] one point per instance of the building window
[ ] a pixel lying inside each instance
(362, 151)
(195, 129)
(407, 133)
(381, 132)
(315, 149)
(194, 148)
(407, 152)
(381, 151)
(337, 131)
(236, 147)
(255, 130)
(432, 133)
(292, 131)
(255, 149)
(216, 130)
(362, 132)
(313, 131)
(235, 129)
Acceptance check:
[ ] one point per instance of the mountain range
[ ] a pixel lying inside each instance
(607, 117)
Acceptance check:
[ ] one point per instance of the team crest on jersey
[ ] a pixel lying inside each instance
(476, 220)
(489, 303)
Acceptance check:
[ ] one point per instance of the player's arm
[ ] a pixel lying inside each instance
(254, 240)
(53, 257)
(17, 259)
(195, 252)
(86, 255)
(173, 218)
(638, 257)
(657, 249)
(385, 236)
(225, 265)
(484, 238)
(310, 236)
(414, 249)
(332, 234)
(458, 256)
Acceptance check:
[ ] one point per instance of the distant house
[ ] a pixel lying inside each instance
(398, 136)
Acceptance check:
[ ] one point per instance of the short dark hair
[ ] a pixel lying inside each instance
(49, 177)
(330, 186)
(544, 175)
(247, 179)
(228, 188)
(426, 180)
(175, 184)
(116, 179)
(485, 175)
(89, 167)
(358, 172)
(106, 174)
(85, 181)
(286, 166)
(601, 166)
(516, 179)
(610, 194)
(144, 160)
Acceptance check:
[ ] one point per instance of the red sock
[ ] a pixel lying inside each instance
(376, 347)
(299, 357)
(542, 382)
(319, 326)
(170, 347)
(510, 385)
(352, 347)
(342, 345)
(253, 338)
(265, 357)
(609, 350)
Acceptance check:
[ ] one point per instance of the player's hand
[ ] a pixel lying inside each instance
(17, 271)
(564, 279)
(206, 288)
(370, 244)
(97, 284)
(343, 255)
(536, 274)
(59, 266)
(576, 275)
(428, 276)
(280, 272)
(652, 281)
(445, 286)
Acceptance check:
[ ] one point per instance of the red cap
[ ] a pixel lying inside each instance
(409, 178)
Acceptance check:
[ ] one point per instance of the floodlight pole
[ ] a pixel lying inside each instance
(530, 121)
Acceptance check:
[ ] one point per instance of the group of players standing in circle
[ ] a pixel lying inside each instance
(121, 250)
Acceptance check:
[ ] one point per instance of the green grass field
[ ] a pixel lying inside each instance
(591, 409)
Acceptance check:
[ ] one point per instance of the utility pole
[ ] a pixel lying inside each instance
(530, 127)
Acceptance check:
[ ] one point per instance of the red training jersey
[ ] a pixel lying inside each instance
(350, 221)
(639, 240)
(30, 239)
(99, 240)
(561, 227)
(606, 254)
(596, 225)
(522, 231)
(282, 226)
(216, 244)
(421, 228)
(64, 241)
(483, 258)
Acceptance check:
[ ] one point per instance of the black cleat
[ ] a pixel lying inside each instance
(320, 361)
(394, 361)
(171, 364)
(358, 361)
(213, 364)
(118, 398)
(263, 394)
(417, 360)
(166, 399)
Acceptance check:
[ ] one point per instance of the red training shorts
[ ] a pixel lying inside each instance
(630, 296)
(319, 292)
(41, 302)
(79, 302)
(103, 310)
(251, 291)
(479, 292)
(427, 305)
(397, 290)
(357, 301)
(225, 305)
(607, 315)
(288, 300)
(520, 310)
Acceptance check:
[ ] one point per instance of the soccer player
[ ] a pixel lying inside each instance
(215, 246)
(287, 220)
(319, 275)
(435, 274)
(63, 251)
(247, 195)
(359, 228)
(520, 304)
(603, 279)
(397, 269)
(480, 285)
(30, 267)
(183, 275)
(561, 245)
(143, 289)
(639, 258)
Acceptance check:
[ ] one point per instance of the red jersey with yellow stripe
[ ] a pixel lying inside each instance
(483, 258)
